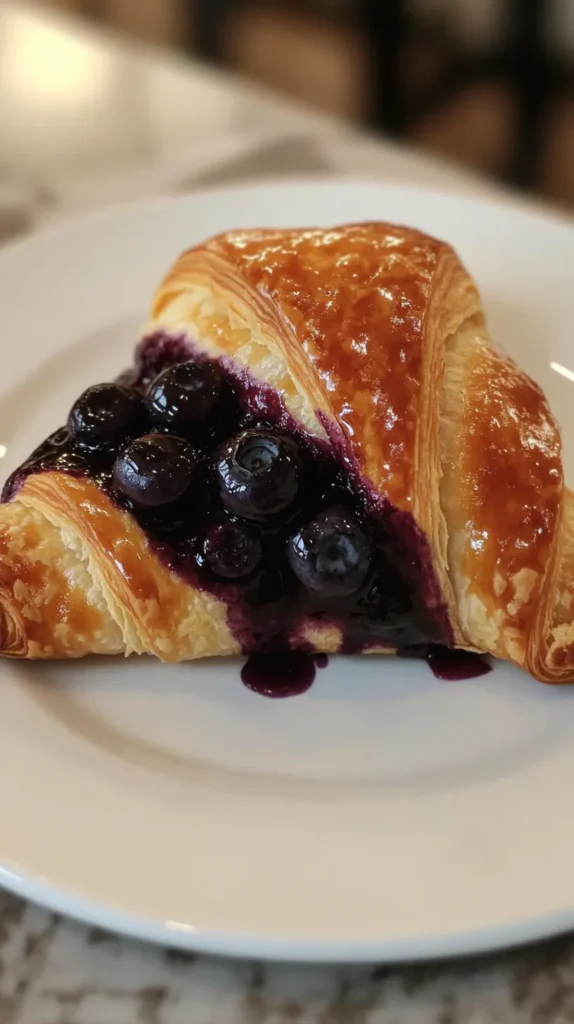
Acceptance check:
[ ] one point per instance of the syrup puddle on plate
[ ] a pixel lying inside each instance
(285, 674)
(291, 673)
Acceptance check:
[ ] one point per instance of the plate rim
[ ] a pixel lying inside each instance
(245, 945)
(500, 199)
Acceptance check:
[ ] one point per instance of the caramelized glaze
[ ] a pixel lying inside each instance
(357, 298)
(509, 485)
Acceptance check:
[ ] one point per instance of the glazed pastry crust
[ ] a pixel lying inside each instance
(375, 339)
(92, 584)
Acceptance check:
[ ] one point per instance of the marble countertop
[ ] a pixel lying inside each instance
(57, 972)
(158, 124)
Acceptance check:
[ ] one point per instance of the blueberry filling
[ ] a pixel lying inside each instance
(103, 414)
(154, 470)
(231, 549)
(331, 555)
(183, 395)
(258, 474)
(238, 502)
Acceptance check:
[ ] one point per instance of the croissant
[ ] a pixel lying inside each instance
(318, 448)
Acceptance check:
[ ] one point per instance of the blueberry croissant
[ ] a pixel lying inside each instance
(317, 448)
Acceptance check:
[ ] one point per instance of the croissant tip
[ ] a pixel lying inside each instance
(12, 640)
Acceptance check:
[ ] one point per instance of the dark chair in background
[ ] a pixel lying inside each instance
(523, 59)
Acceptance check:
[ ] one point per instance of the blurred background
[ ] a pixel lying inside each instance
(486, 83)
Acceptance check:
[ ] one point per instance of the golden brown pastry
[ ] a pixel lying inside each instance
(340, 459)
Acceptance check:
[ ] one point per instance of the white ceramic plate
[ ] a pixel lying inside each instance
(384, 815)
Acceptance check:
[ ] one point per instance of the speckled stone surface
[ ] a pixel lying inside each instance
(57, 972)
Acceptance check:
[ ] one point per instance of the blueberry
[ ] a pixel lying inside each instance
(331, 555)
(258, 473)
(183, 395)
(231, 549)
(103, 414)
(154, 470)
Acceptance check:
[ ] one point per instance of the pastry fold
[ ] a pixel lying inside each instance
(371, 340)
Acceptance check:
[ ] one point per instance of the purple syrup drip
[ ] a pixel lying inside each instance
(280, 674)
(291, 673)
(449, 663)
(456, 665)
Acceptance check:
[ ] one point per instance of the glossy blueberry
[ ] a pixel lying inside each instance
(183, 395)
(331, 555)
(231, 549)
(258, 473)
(103, 414)
(154, 470)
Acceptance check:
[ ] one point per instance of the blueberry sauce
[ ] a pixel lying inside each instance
(454, 665)
(238, 502)
(284, 674)
(450, 664)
